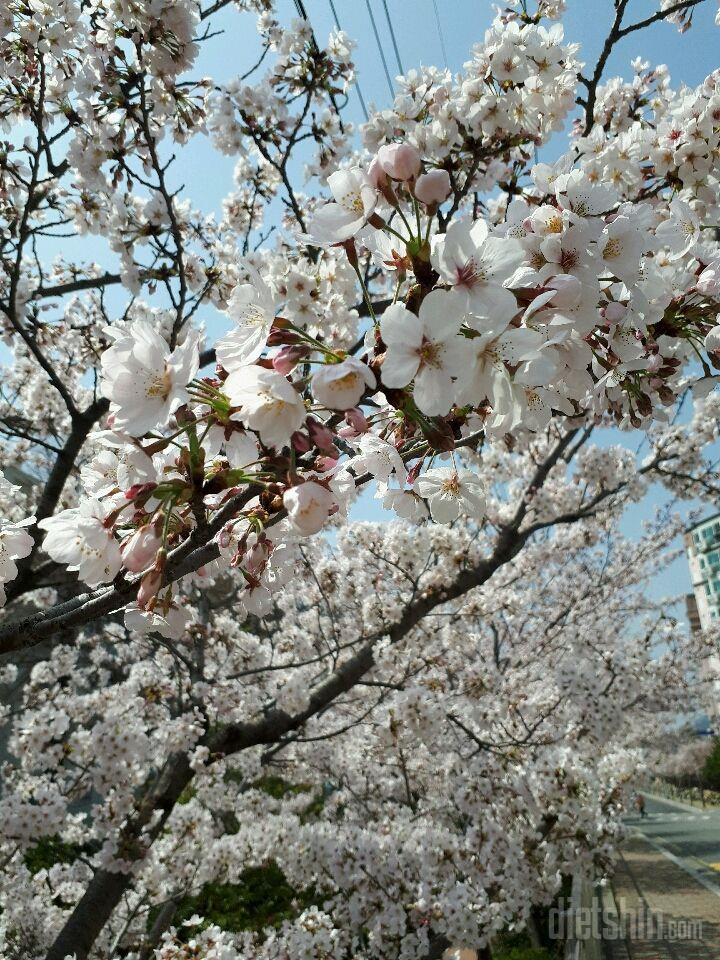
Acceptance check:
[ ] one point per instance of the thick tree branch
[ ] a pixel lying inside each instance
(660, 15)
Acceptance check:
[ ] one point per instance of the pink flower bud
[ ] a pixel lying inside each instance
(300, 442)
(256, 558)
(401, 161)
(320, 435)
(279, 336)
(288, 358)
(357, 419)
(433, 187)
(138, 490)
(654, 363)
(149, 586)
(141, 549)
(376, 174)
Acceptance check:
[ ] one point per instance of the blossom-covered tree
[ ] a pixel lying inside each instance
(441, 319)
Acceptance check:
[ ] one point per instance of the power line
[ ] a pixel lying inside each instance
(440, 32)
(392, 37)
(382, 52)
(357, 82)
(300, 7)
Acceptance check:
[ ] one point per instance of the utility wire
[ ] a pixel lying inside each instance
(357, 82)
(300, 7)
(382, 52)
(392, 37)
(440, 32)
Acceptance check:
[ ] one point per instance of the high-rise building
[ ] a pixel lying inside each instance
(703, 550)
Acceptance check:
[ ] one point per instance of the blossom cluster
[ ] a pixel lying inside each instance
(579, 302)
(584, 289)
(472, 744)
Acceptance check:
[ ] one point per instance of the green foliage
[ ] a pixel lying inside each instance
(262, 898)
(711, 770)
(49, 851)
(523, 953)
(278, 788)
(516, 946)
(187, 794)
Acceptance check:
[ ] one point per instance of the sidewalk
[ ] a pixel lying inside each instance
(647, 884)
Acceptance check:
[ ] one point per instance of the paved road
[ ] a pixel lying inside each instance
(669, 871)
(690, 833)
(665, 913)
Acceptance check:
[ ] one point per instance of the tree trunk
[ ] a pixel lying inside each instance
(106, 888)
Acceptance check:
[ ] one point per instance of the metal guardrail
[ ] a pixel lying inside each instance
(584, 922)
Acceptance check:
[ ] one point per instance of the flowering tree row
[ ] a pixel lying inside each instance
(459, 740)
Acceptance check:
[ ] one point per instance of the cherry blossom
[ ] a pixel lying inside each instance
(15, 544)
(477, 264)
(400, 161)
(424, 347)
(268, 402)
(355, 200)
(252, 307)
(308, 506)
(681, 231)
(339, 386)
(450, 492)
(81, 539)
(144, 380)
(413, 310)
(433, 187)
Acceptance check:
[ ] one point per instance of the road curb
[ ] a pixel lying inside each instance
(680, 804)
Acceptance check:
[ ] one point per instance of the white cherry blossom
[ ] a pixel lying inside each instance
(15, 544)
(424, 347)
(80, 539)
(355, 200)
(477, 264)
(144, 380)
(339, 386)
(252, 308)
(268, 403)
(681, 231)
(308, 506)
(450, 492)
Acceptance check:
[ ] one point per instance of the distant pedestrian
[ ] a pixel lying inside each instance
(640, 804)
